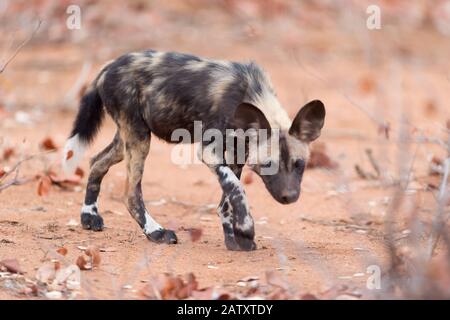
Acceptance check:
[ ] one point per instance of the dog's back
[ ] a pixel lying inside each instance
(172, 90)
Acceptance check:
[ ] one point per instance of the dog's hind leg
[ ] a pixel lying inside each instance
(100, 164)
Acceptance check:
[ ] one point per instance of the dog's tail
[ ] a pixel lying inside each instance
(85, 127)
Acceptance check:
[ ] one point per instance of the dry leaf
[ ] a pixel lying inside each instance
(2, 172)
(82, 263)
(69, 154)
(72, 180)
(62, 251)
(168, 287)
(94, 253)
(79, 172)
(367, 85)
(187, 289)
(8, 153)
(48, 144)
(44, 186)
(430, 108)
(204, 294)
(108, 249)
(195, 234)
(308, 296)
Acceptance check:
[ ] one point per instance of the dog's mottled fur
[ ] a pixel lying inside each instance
(156, 92)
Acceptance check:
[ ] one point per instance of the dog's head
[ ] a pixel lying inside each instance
(279, 156)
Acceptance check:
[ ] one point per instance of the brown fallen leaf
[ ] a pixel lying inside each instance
(79, 172)
(195, 234)
(430, 108)
(203, 294)
(2, 172)
(223, 295)
(82, 263)
(11, 265)
(48, 144)
(44, 186)
(186, 290)
(62, 251)
(69, 154)
(65, 181)
(168, 287)
(94, 253)
(30, 290)
(308, 296)
(8, 153)
(367, 84)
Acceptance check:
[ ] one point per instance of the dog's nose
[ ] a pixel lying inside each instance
(289, 196)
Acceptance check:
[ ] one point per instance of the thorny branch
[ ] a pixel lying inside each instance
(23, 44)
(440, 221)
(16, 169)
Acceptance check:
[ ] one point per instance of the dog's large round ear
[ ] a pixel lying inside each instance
(309, 121)
(247, 116)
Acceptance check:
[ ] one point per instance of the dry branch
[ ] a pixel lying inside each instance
(16, 169)
(23, 44)
(440, 221)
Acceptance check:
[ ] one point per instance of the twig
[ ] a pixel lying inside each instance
(439, 222)
(23, 44)
(364, 175)
(373, 162)
(16, 169)
(367, 175)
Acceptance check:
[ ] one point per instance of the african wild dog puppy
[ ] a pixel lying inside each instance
(155, 92)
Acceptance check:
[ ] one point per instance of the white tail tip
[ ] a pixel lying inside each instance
(72, 154)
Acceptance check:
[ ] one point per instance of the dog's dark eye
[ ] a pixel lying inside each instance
(300, 165)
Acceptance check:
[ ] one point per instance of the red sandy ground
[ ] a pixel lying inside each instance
(313, 253)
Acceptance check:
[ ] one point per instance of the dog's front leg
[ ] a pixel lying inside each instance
(238, 226)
